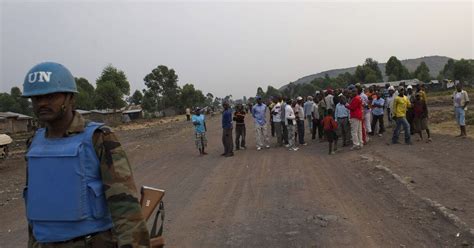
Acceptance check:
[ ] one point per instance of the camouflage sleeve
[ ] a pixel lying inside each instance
(120, 191)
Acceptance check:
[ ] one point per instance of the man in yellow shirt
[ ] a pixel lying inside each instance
(400, 105)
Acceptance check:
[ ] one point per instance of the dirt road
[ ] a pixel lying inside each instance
(278, 198)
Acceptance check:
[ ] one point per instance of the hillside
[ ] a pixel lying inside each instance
(435, 63)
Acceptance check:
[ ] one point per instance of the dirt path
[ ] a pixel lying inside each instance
(278, 198)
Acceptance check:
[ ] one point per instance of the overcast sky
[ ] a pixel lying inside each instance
(225, 48)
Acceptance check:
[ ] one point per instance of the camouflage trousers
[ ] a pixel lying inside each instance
(101, 240)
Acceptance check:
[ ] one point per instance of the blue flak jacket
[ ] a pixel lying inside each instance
(65, 196)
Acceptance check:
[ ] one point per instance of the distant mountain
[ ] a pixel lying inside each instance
(434, 63)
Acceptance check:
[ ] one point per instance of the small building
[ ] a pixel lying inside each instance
(110, 117)
(11, 122)
(133, 114)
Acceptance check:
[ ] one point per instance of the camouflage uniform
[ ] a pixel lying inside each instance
(129, 225)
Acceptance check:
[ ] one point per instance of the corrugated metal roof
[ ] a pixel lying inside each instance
(105, 111)
(132, 111)
(83, 112)
(395, 83)
(14, 115)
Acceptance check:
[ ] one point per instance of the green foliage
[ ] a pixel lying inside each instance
(462, 70)
(209, 99)
(150, 102)
(260, 92)
(422, 72)
(162, 84)
(163, 92)
(7, 103)
(272, 92)
(448, 70)
(22, 105)
(190, 97)
(395, 70)
(374, 65)
(85, 98)
(118, 77)
(109, 96)
(136, 98)
(217, 101)
(306, 90)
(369, 72)
(13, 102)
(112, 85)
(347, 77)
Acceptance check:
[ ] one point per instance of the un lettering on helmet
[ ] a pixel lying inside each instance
(39, 76)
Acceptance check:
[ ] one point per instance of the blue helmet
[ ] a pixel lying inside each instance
(46, 78)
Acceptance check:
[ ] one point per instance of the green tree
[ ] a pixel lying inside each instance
(190, 97)
(112, 85)
(448, 70)
(306, 90)
(209, 98)
(85, 98)
(162, 84)
(395, 70)
(118, 77)
(260, 92)
(14, 102)
(374, 65)
(150, 102)
(464, 70)
(422, 72)
(7, 103)
(136, 98)
(359, 73)
(371, 77)
(109, 96)
(272, 92)
(348, 78)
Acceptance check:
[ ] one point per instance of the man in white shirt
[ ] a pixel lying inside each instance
(308, 112)
(276, 113)
(329, 99)
(300, 116)
(291, 123)
(460, 100)
(315, 119)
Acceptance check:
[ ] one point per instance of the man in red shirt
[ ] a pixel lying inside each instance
(355, 107)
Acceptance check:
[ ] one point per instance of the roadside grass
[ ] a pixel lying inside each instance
(147, 123)
(445, 96)
(441, 112)
(442, 121)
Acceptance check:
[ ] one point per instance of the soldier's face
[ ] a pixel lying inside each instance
(49, 107)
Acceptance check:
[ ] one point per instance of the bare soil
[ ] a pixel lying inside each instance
(278, 198)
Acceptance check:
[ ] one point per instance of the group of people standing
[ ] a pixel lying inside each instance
(352, 114)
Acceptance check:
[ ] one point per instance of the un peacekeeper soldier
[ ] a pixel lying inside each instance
(80, 189)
